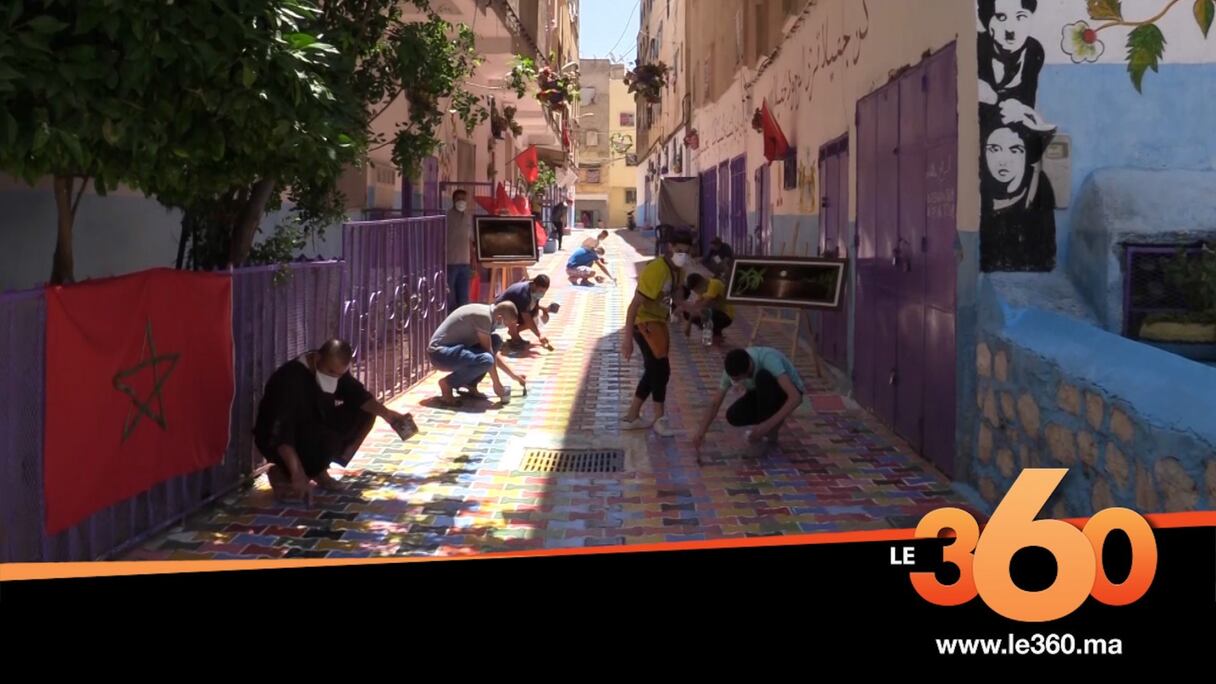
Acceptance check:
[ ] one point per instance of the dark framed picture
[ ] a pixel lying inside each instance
(505, 239)
(810, 282)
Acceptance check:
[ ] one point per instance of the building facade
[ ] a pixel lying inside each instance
(995, 172)
(606, 129)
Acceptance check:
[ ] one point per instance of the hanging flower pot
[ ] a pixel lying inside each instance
(758, 122)
(508, 115)
(647, 81)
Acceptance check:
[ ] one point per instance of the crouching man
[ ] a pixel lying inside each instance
(314, 413)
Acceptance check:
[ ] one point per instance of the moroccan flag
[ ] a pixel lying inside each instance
(487, 203)
(528, 163)
(775, 144)
(522, 207)
(139, 386)
(502, 203)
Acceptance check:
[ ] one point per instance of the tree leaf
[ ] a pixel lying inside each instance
(46, 24)
(7, 73)
(299, 41)
(1205, 11)
(1145, 47)
(1100, 10)
(110, 132)
(41, 135)
(10, 130)
(248, 76)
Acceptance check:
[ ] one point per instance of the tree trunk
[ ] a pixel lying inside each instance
(181, 240)
(63, 265)
(247, 222)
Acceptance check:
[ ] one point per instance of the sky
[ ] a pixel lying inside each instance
(602, 23)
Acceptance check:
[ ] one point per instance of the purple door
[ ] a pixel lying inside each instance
(904, 355)
(762, 198)
(865, 248)
(709, 207)
(723, 228)
(833, 213)
(910, 381)
(886, 235)
(738, 205)
(941, 226)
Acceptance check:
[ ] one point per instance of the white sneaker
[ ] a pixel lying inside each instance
(638, 423)
(662, 429)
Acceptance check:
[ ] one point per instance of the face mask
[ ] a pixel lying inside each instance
(460, 206)
(693, 298)
(536, 297)
(328, 383)
(679, 259)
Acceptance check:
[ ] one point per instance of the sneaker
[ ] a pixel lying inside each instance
(638, 423)
(662, 428)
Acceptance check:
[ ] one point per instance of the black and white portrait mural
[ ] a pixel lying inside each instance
(1017, 220)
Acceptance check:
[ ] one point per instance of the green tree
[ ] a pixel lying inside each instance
(146, 94)
(378, 57)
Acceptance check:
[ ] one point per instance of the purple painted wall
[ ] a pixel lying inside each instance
(386, 298)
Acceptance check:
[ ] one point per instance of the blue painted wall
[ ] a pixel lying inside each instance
(1167, 462)
(1169, 126)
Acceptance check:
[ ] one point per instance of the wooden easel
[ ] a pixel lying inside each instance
(776, 316)
(500, 277)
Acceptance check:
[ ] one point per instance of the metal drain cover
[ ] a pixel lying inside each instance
(573, 461)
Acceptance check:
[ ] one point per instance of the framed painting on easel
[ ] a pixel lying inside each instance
(801, 282)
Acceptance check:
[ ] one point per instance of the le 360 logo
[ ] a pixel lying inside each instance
(984, 560)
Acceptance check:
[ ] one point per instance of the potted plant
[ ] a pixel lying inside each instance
(498, 123)
(523, 72)
(556, 89)
(758, 121)
(647, 80)
(1193, 276)
(508, 113)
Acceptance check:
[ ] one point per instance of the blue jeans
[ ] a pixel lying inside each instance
(459, 277)
(465, 364)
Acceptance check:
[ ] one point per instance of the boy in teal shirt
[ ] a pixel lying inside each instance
(772, 390)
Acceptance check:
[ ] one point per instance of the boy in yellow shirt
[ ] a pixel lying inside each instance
(646, 326)
(708, 307)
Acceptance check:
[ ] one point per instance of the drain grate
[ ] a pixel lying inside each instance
(573, 461)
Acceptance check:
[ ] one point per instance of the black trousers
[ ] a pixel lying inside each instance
(558, 232)
(759, 404)
(656, 372)
(321, 443)
(719, 319)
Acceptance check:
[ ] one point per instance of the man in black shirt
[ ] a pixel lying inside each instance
(557, 216)
(718, 258)
(314, 413)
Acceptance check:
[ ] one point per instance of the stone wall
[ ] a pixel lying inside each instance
(1035, 414)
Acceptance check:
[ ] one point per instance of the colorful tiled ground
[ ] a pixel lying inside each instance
(451, 490)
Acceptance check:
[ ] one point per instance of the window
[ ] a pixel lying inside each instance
(386, 175)
(586, 95)
(790, 181)
(591, 174)
(627, 119)
(593, 138)
(631, 196)
(631, 159)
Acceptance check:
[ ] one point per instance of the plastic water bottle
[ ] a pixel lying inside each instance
(707, 329)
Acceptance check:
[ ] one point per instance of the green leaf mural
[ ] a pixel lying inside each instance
(1205, 11)
(1100, 10)
(1145, 47)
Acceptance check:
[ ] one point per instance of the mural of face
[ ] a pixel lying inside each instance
(1010, 25)
(1005, 154)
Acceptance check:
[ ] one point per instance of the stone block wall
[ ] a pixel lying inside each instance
(1032, 413)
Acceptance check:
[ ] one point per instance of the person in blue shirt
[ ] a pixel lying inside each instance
(578, 267)
(772, 389)
(526, 296)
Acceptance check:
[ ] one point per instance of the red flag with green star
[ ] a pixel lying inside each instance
(139, 386)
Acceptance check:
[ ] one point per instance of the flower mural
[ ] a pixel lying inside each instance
(1145, 42)
(1080, 42)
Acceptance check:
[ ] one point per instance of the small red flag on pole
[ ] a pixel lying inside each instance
(529, 164)
(775, 144)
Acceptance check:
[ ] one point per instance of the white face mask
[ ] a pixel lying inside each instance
(460, 206)
(536, 297)
(679, 259)
(328, 383)
(693, 298)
